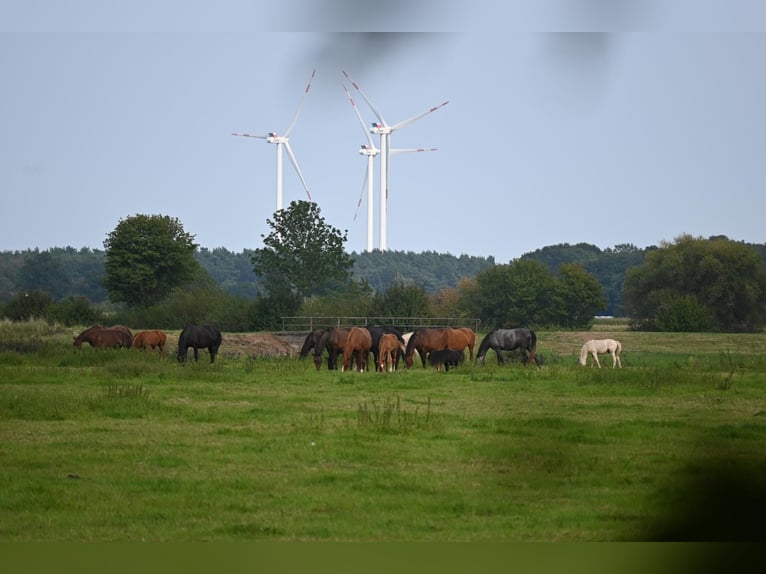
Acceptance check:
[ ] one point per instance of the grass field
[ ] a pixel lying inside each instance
(124, 446)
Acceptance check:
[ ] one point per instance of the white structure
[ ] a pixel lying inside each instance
(284, 141)
(384, 130)
(371, 151)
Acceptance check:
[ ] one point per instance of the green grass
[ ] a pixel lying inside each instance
(123, 446)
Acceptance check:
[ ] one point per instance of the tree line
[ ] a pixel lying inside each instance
(152, 273)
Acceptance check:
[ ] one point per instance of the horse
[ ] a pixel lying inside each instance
(389, 348)
(460, 338)
(376, 332)
(596, 346)
(128, 334)
(507, 340)
(98, 336)
(446, 358)
(424, 340)
(310, 342)
(334, 340)
(357, 347)
(199, 337)
(150, 340)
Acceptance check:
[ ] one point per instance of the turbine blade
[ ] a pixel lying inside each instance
(412, 149)
(359, 116)
(262, 137)
(300, 105)
(291, 155)
(417, 117)
(364, 188)
(369, 103)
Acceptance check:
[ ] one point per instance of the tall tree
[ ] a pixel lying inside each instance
(302, 252)
(147, 256)
(696, 284)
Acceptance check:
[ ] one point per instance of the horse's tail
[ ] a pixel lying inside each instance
(618, 350)
(532, 346)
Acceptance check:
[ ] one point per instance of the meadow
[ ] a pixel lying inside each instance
(120, 445)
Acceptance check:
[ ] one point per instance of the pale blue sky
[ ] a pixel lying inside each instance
(595, 121)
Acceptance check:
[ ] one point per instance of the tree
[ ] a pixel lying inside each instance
(697, 284)
(580, 295)
(402, 300)
(147, 256)
(302, 253)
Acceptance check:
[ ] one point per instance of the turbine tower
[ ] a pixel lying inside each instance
(283, 141)
(385, 130)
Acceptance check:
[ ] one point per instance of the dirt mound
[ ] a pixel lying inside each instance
(256, 345)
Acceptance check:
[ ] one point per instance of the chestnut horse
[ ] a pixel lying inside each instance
(389, 348)
(459, 339)
(150, 340)
(98, 336)
(424, 340)
(334, 340)
(358, 345)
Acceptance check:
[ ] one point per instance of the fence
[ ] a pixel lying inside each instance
(292, 324)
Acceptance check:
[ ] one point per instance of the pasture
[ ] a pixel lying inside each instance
(121, 445)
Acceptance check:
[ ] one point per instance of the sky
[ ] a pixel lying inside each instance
(599, 121)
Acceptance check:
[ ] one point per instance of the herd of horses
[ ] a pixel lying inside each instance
(439, 347)
(118, 336)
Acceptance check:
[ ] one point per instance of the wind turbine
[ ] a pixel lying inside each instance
(371, 151)
(283, 141)
(385, 130)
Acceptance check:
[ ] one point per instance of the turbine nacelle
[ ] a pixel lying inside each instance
(367, 150)
(380, 129)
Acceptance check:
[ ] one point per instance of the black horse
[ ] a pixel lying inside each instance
(507, 340)
(446, 358)
(376, 332)
(199, 337)
(311, 342)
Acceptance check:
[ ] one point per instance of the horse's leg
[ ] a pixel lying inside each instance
(196, 354)
(617, 356)
(595, 358)
(499, 352)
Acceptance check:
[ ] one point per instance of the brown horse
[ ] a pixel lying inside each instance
(459, 339)
(310, 342)
(102, 337)
(424, 340)
(150, 340)
(388, 349)
(334, 340)
(358, 345)
(127, 334)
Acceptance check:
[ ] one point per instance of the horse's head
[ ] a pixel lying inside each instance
(77, 341)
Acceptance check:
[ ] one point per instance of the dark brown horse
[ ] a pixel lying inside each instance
(102, 337)
(334, 340)
(150, 340)
(424, 340)
(358, 345)
(310, 342)
(199, 337)
(126, 332)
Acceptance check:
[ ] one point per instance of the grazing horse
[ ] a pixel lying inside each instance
(357, 347)
(389, 348)
(459, 339)
(376, 332)
(150, 340)
(334, 340)
(596, 346)
(310, 342)
(424, 340)
(446, 358)
(199, 337)
(507, 340)
(102, 337)
(128, 335)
